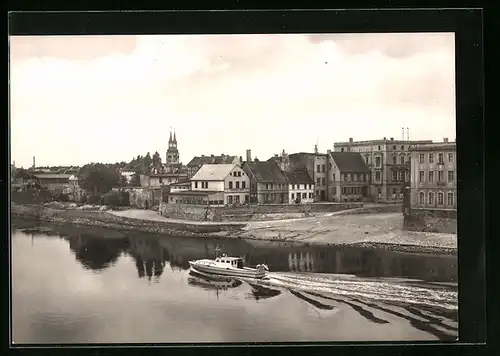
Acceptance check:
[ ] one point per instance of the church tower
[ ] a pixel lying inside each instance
(172, 151)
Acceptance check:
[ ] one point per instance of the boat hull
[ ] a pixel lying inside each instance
(232, 272)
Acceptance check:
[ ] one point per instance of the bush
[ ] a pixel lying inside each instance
(83, 199)
(61, 197)
(119, 198)
(93, 199)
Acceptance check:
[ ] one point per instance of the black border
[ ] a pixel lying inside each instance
(467, 25)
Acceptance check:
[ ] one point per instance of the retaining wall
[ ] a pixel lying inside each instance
(249, 212)
(440, 221)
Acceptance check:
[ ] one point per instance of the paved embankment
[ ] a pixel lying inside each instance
(381, 230)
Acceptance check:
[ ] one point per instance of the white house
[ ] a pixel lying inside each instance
(300, 187)
(228, 182)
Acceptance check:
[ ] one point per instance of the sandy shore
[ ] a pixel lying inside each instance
(380, 230)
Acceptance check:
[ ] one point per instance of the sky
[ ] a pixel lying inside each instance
(81, 99)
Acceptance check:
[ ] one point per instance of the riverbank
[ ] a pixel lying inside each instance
(376, 230)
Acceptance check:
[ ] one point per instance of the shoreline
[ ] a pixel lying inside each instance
(279, 231)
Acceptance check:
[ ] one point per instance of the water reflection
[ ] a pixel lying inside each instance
(260, 292)
(152, 253)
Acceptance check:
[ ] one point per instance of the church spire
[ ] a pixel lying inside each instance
(175, 139)
(170, 139)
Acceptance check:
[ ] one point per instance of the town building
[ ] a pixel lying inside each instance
(268, 184)
(22, 180)
(300, 187)
(54, 182)
(349, 177)
(74, 191)
(433, 183)
(215, 184)
(157, 180)
(389, 163)
(180, 187)
(198, 161)
(317, 166)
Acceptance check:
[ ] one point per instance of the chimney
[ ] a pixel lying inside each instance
(249, 155)
(211, 155)
(256, 159)
(445, 139)
(34, 165)
(392, 138)
(241, 160)
(350, 140)
(385, 138)
(328, 152)
(316, 149)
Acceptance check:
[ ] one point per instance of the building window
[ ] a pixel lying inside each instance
(402, 158)
(196, 184)
(394, 175)
(237, 185)
(450, 157)
(317, 169)
(431, 176)
(293, 196)
(440, 198)
(304, 195)
(342, 149)
(394, 147)
(323, 181)
(333, 177)
(377, 176)
(431, 198)
(318, 181)
(379, 148)
(237, 199)
(440, 176)
(323, 168)
(230, 185)
(230, 199)
(366, 159)
(441, 158)
(422, 177)
(402, 148)
(421, 158)
(346, 177)
(421, 198)
(450, 199)
(431, 157)
(377, 161)
(243, 185)
(394, 158)
(451, 176)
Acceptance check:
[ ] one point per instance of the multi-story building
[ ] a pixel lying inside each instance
(216, 185)
(316, 165)
(349, 177)
(198, 161)
(389, 163)
(268, 184)
(300, 187)
(433, 182)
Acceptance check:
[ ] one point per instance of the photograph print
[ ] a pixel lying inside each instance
(233, 188)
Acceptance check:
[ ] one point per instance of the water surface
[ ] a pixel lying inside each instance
(80, 285)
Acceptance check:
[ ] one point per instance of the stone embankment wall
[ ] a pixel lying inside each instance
(107, 220)
(440, 221)
(250, 212)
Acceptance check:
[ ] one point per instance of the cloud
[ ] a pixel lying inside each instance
(225, 93)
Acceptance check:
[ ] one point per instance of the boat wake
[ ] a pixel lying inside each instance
(367, 289)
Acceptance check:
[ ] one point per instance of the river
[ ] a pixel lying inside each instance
(82, 285)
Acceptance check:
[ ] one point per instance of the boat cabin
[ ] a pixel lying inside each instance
(234, 262)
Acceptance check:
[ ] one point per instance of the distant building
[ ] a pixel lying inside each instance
(157, 180)
(388, 160)
(180, 187)
(172, 157)
(433, 183)
(23, 180)
(53, 182)
(300, 187)
(349, 177)
(74, 191)
(198, 161)
(268, 184)
(317, 165)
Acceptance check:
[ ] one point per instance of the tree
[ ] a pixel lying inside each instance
(135, 181)
(122, 181)
(146, 163)
(98, 178)
(157, 161)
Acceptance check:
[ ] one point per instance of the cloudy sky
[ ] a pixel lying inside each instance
(80, 99)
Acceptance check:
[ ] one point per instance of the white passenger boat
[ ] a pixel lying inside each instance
(228, 266)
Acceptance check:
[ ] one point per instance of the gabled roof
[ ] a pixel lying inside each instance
(266, 172)
(201, 160)
(350, 162)
(299, 177)
(213, 172)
